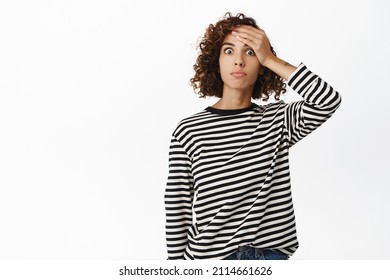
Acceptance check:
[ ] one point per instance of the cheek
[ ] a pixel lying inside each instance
(256, 69)
(221, 63)
(224, 76)
(254, 64)
(256, 75)
(222, 67)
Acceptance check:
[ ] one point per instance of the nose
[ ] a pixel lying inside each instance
(239, 62)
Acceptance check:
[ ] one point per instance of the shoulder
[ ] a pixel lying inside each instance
(190, 122)
(279, 104)
(274, 111)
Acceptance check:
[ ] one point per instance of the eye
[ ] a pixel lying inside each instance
(250, 52)
(228, 51)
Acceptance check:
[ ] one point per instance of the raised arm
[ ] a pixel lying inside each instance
(320, 99)
(319, 103)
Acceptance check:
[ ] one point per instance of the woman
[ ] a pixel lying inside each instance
(228, 194)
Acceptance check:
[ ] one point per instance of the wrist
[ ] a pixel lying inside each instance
(280, 67)
(270, 61)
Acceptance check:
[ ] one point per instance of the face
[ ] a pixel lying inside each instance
(238, 64)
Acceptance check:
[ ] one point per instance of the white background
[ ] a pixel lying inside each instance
(90, 92)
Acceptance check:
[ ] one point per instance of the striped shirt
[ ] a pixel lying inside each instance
(229, 181)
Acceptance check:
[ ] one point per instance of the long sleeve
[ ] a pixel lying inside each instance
(178, 200)
(319, 104)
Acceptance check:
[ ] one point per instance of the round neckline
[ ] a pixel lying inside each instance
(231, 111)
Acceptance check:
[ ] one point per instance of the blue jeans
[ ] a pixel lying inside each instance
(251, 253)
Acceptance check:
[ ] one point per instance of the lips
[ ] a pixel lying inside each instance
(238, 74)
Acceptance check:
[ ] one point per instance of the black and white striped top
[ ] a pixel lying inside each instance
(229, 180)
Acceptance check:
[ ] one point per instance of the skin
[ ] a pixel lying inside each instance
(246, 49)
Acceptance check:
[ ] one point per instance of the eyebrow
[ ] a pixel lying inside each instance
(231, 44)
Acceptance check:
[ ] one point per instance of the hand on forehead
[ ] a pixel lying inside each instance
(245, 28)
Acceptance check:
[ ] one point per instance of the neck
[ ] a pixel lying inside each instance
(233, 99)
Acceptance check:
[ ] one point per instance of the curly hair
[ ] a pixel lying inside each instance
(207, 80)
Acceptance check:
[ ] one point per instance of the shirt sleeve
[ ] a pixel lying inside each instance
(178, 200)
(319, 103)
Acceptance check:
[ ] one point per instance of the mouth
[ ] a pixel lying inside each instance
(238, 74)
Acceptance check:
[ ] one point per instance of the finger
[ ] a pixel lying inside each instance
(246, 41)
(256, 39)
(249, 29)
(250, 34)
(247, 33)
(246, 26)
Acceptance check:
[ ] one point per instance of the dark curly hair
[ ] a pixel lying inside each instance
(207, 80)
